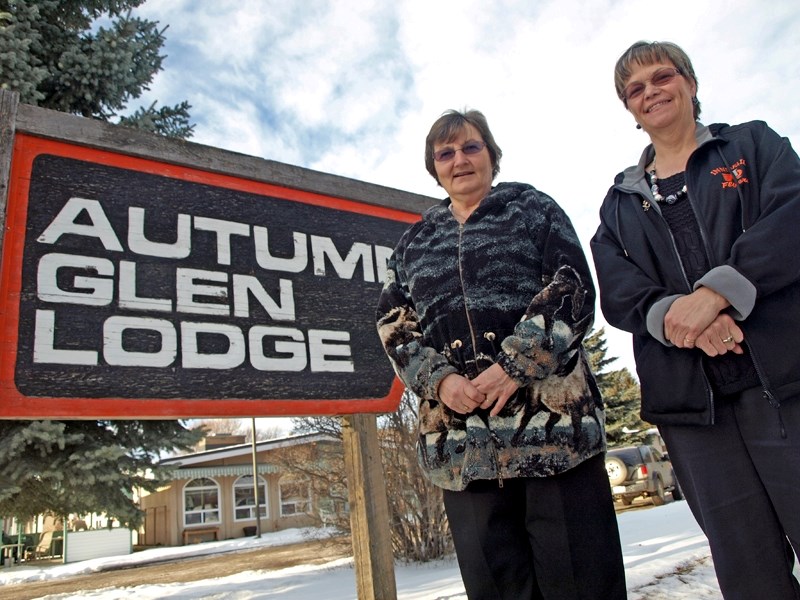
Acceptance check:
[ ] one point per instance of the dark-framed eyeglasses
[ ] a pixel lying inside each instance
(449, 153)
(660, 78)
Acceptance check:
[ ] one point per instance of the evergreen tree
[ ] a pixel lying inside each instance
(621, 394)
(62, 467)
(57, 56)
(90, 58)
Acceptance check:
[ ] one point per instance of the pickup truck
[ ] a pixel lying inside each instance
(641, 470)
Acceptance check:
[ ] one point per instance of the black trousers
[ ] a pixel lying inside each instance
(546, 538)
(741, 478)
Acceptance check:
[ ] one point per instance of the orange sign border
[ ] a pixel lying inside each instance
(14, 405)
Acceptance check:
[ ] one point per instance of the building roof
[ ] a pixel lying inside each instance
(221, 471)
(199, 458)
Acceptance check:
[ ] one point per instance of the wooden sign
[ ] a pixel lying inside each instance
(135, 287)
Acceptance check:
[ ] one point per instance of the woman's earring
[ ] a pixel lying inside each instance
(638, 126)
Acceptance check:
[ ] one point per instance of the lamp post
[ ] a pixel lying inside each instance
(255, 480)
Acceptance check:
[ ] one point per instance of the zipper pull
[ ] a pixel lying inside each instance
(774, 403)
(769, 397)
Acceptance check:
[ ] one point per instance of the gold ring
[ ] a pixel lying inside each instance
(688, 340)
(727, 339)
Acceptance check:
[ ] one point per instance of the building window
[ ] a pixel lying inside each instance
(201, 502)
(295, 497)
(244, 498)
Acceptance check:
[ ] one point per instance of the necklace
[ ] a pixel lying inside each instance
(671, 198)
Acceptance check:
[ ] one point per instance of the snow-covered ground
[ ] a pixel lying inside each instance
(666, 557)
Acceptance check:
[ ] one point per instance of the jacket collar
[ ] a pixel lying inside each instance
(498, 196)
(634, 177)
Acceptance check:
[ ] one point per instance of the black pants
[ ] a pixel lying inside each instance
(550, 538)
(741, 478)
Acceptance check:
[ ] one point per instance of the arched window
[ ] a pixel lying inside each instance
(201, 502)
(295, 497)
(244, 498)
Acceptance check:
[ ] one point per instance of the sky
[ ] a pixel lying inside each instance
(351, 87)
(666, 558)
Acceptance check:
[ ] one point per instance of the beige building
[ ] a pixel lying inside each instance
(212, 495)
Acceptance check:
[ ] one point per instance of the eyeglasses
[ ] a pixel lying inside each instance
(660, 78)
(449, 153)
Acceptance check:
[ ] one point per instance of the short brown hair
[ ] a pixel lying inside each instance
(449, 125)
(647, 53)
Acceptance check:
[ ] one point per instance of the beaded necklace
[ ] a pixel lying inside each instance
(671, 198)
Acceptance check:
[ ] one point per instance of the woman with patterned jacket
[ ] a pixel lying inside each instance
(697, 256)
(487, 301)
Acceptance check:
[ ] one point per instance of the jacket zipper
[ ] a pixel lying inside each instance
(496, 462)
(676, 255)
(706, 247)
(495, 457)
(464, 294)
(762, 379)
(766, 392)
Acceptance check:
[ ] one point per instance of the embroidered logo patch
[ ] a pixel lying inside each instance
(734, 176)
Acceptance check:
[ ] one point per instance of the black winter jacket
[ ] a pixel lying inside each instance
(744, 186)
(512, 286)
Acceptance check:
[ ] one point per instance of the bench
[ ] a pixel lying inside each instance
(16, 548)
(200, 532)
(10, 553)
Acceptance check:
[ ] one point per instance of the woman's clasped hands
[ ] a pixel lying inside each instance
(696, 321)
(492, 388)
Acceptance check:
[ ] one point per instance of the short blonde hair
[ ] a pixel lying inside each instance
(648, 53)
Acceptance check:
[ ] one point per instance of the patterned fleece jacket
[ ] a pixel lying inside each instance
(512, 286)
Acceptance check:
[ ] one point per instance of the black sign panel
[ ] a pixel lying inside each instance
(188, 285)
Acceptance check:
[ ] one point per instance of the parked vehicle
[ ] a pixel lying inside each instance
(641, 470)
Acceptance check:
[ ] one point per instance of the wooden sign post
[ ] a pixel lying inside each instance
(369, 509)
(145, 277)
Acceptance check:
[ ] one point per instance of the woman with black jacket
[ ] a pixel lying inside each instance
(697, 256)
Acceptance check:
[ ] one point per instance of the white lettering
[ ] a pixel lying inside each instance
(99, 291)
(193, 359)
(224, 231)
(44, 350)
(187, 290)
(66, 223)
(328, 351)
(265, 259)
(139, 244)
(296, 349)
(127, 291)
(382, 255)
(242, 284)
(323, 246)
(115, 354)
(320, 349)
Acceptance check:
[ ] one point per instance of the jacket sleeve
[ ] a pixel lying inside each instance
(421, 368)
(548, 337)
(763, 258)
(633, 297)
